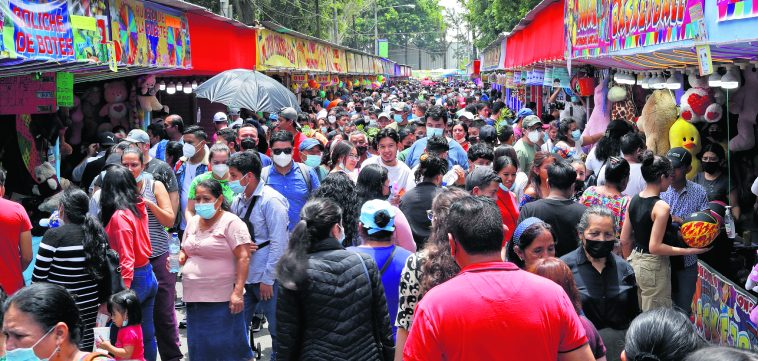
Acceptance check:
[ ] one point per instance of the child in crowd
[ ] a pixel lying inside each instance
(126, 313)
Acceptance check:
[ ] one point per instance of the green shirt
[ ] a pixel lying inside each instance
(228, 194)
(404, 154)
(525, 154)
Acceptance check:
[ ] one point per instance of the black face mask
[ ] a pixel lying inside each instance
(578, 185)
(710, 167)
(598, 249)
(362, 150)
(248, 144)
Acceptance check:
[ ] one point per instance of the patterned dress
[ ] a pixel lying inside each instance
(409, 291)
(616, 204)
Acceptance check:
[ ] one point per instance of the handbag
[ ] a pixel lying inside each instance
(112, 282)
(387, 352)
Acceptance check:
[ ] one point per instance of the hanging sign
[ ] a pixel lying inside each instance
(64, 89)
(338, 64)
(350, 62)
(322, 79)
(300, 78)
(547, 79)
(89, 23)
(300, 58)
(276, 50)
(722, 311)
(736, 9)
(491, 58)
(41, 30)
(28, 94)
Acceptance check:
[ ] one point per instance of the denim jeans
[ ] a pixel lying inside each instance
(145, 286)
(253, 299)
(683, 287)
(166, 327)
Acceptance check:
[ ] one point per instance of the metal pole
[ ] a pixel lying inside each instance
(376, 31)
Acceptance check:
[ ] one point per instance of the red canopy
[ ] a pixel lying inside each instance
(218, 45)
(543, 39)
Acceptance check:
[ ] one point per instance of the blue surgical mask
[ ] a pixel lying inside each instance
(140, 177)
(433, 132)
(503, 187)
(545, 138)
(324, 130)
(398, 118)
(576, 134)
(312, 161)
(205, 210)
(27, 354)
(125, 323)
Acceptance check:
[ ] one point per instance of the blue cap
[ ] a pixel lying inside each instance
(370, 209)
(308, 143)
(524, 112)
(273, 116)
(523, 226)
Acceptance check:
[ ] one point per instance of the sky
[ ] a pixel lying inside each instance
(451, 5)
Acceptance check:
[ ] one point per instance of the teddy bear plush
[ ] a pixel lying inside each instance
(600, 116)
(658, 115)
(146, 95)
(744, 104)
(49, 187)
(700, 103)
(116, 95)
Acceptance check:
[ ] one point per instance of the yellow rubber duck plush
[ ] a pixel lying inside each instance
(684, 134)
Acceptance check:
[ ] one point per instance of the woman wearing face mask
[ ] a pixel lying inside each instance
(313, 266)
(73, 256)
(519, 184)
(533, 239)
(460, 134)
(609, 195)
(343, 158)
(215, 255)
(537, 186)
(124, 213)
(606, 282)
(715, 180)
(506, 169)
(218, 170)
(569, 140)
(373, 183)
(42, 322)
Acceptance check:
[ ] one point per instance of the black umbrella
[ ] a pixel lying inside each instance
(249, 89)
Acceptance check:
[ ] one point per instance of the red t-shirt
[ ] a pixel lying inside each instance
(130, 237)
(13, 222)
(494, 311)
(509, 211)
(297, 139)
(131, 336)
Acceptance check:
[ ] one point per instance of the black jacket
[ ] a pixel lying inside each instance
(338, 314)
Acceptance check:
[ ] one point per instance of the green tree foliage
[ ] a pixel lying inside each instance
(488, 18)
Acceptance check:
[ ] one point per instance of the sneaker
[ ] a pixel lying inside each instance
(179, 304)
(258, 322)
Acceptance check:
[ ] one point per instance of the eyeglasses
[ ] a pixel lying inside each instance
(354, 156)
(279, 151)
(430, 214)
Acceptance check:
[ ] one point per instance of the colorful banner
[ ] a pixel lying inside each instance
(37, 30)
(64, 89)
(147, 34)
(337, 61)
(350, 62)
(27, 94)
(276, 50)
(300, 78)
(89, 21)
(737, 9)
(301, 60)
(491, 58)
(722, 311)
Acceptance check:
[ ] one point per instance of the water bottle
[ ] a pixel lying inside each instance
(729, 223)
(173, 250)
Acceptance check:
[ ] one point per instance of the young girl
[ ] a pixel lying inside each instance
(126, 313)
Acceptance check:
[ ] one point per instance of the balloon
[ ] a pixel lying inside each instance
(341, 84)
(322, 94)
(357, 83)
(313, 84)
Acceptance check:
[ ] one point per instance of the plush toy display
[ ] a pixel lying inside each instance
(49, 187)
(622, 106)
(701, 103)
(116, 109)
(685, 135)
(90, 106)
(744, 103)
(657, 117)
(601, 113)
(146, 95)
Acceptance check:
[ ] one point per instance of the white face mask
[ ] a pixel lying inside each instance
(282, 159)
(219, 170)
(188, 150)
(534, 136)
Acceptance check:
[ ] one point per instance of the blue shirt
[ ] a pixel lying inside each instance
(265, 160)
(294, 188)
(391, 276)
(690, 199)
(267, 215)
(456, 155)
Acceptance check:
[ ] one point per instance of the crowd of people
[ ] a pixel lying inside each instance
(407, 223)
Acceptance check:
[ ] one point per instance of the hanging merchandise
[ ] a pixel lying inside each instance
(561, 77)
(547, 79)
(536, 77)
(509, 82)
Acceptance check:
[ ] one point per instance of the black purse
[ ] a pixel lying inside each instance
(111, 283)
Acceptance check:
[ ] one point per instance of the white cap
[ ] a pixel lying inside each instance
(466, 115)
(220, 117)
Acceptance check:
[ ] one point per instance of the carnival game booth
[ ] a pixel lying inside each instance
(686, 68)
(493, 63)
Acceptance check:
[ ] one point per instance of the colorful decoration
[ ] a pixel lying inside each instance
(685, 135)
(276, 50)
(736, 9)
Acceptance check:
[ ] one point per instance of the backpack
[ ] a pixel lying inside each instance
(304, 170)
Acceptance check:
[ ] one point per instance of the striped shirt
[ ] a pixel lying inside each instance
(158, 235)
(61, 260)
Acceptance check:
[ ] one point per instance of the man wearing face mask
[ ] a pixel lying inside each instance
(311, 151)
(287, 121)
(294, 180)
(529, 142)
(219, 171)
(436, 122)
(480, 155)
(360, 142)
(247, 139)
(193, 163)
(262, 209)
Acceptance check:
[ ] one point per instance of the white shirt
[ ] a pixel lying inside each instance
(399, 175)
(189, 175)
(636, 182)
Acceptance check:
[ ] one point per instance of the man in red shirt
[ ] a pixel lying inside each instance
(15, 242)
(492, 310)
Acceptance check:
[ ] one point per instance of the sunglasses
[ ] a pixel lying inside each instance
(279, 151)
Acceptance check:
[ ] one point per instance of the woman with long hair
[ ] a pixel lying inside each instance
(343, 157)
(124, 213)
(73, 256)
(609, 195)
(340, 188)
(647, 236)
(418, 200)
(521, 178)
(427, 268)
(506, 169)
(609, 145)
(373, 183)
(661, 334)
(331, 301)
(216, 256)
(555, 270)
(537, 186)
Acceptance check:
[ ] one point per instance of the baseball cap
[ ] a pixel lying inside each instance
(480, 175)
(383, 115)
(399, 107)
(219, 117)
(679, 157)
(523, 112)
(369, 211)
(137, 136)
(488, 134)
(106, 138)
(466, 115)
(234, 111)
(309, 143)
(288, 113)
(530, 121)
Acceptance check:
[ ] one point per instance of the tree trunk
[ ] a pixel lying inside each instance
(317, 10)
